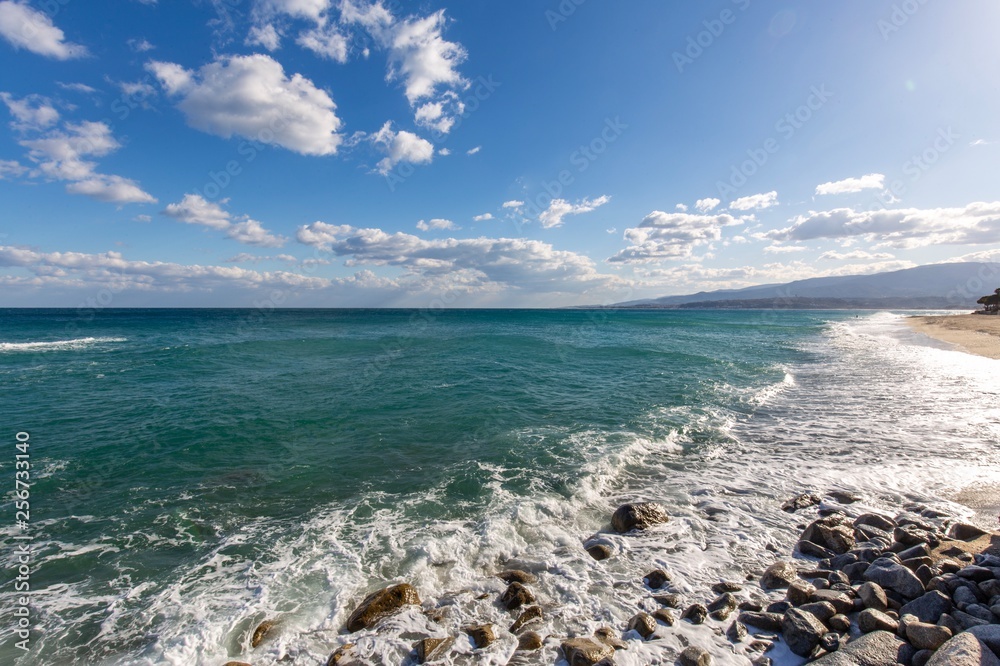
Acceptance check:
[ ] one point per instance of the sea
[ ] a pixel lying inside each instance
(193, 473)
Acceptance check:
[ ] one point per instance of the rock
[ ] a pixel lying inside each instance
(638, 516)
(830, 642)
(664, 616)
(751, 605)
(380, 604)
(799, 592)
(657, 578)
(870, 533)
(875, 520)
(517, 576)
(778, 575)
(599, 551)
(643, 624)
(516, 595)
(529, 641)
(695, 614)
(482, 635)
(924, 636)
(982, 612)
(529, 614)
(823, 610)
(695, 656)
(836, 538)
(803, 501)
(965, 532)
(928, 607)
(920, 550)
(990, 588)
(779, 607)
(724, 603)
(609, 637)
(838, 577)
(341, 655)
(236, 663)
(840, 601)
(669, 600)
(801, 631)
(870, 620)
(844, 496)
(967, 621)
(840, 623)
(873, 596)
(879, 648)
(911, 535)
(585, 651)
(765, 621)
(894, 576)
(964, 597)
(265, 630)
(921, 657)
(925, 573)
(964, 650)
(976, 573)
(726, 586)
(737, 632)
(429, 649)
(988, 635)
(950, 622)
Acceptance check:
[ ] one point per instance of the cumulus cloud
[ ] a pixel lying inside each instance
(110, 189)
(706, 205)
(423, 59)
(755, 202)
(662, 236)
(11, 168)
(306, 9)
(483, 218)
(976, 224)
(29, 29)
(251, 96)
(436, 223)
(195, 209)
(401, 146)
(872, 181)
(33, 112)
(469, 264)
(560, 208)
(325, 41)
(513, 203)
(266, 35)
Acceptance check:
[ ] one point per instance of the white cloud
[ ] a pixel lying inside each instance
(77, 87)
(483, 218)
(9, 168)
(265, 35)
(251, 96)
(432, 115)
(662, 236)
(872, 181)
(681, 207)
(195, 209)
(110, 189)
(33, 112)
(326, 42)
(423, 59)
(401, 146)
(29, 29)
(976, 224)
(513, 203)
(855, 255)
(444, 152)
(560, 208)
(143, 218)
(436, 223)
(777, 248)
(755, 202)
(140, 45)
(697, 276)
(305, 9)
(706, 205)
(473, 151)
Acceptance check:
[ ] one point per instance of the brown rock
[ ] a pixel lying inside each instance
(778, 575)
(657, 578)
(380, 604)
(517, 576)
(516, 595)
(643, 624)
(638, 516)
(585, 651)
(665, 616)
(600, 551)
(482, 635)
(264, 631)
(609, 636)
(340, 655)
(529, 641)
(429, 649)
(529, 614)
(695, 656)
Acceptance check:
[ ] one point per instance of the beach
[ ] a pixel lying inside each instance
(976, 334)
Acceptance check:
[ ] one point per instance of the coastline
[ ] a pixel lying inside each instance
(975, 334)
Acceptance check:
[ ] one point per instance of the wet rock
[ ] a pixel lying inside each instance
(879, 648)
(380, 604)
(778, 575)
(799, 502)
(726, 586)
(609, 636)
(724, 602)
(765, 621)
(844, 496)
(265, 630)
(924, 636)
(801, 631)
(657, 578)
(928, 607)
(964, 650)
(585, 651)
(799, 592)
(665, 616)
(642, 624)
(751, 605)
(875, 520)
(870, 533)
(695, 656)
(482, 635)
(870, 620)
(737, 632)
(695, 614)
(529, 641)
(965, 532)
(515, 596)
(833, 537)
(517, 576)
(341, 656)
(236, 663)
(429, 649)
(600, 551)
(840, 623)
(925, 573)
(529, 614)
(639, 516)
(669, 600)
(894, 576)
(810, 549)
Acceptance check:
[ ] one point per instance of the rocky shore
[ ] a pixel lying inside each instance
(860, 589)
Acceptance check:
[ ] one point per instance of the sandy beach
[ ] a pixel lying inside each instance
(976, 334)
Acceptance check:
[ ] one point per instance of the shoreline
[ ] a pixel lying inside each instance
(974, 334)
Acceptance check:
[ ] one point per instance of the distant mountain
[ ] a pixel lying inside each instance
(933, 286)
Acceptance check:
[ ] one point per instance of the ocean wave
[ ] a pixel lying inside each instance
(55, 345)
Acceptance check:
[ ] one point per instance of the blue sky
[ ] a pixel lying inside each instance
(518, 153)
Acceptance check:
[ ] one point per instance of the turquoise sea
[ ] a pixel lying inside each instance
(194, 472)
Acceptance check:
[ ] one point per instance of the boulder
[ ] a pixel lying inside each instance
(517, 576)
(976, 573)
(840, 623)
(726, 586)
(643, 624)
(529, 641)
(810, 549)
(964, 650)
(967, 621)
(823, 610)
(833, 537)
(265, 630)
(737, 632)
(839, 600)
(342, 656)
(894, 576)
(989, 634)
(982, 612)
(765, 621)
(695, 656)
(879, 648)
(482, 635)
(380, 604)
(928, 607)
(875, 520)
(803, 501)
(599, 551)
(639, 516)
(873, 596)
(844, 496)
(695, 614)
(965, 532)
(870, 620)
(799, 592)
(801, 631)
(665, 616)
(429, 649)
(669, 600)
(657, 578)
(529, 614)
(515, 596)
(924, 636)
(778, 575)
(609, 636)
(585, 651)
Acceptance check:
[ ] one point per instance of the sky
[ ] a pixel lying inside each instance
(476, 153)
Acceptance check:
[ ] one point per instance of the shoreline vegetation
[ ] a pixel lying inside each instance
(975, 334)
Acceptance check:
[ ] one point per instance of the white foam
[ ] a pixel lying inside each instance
(55, 345)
